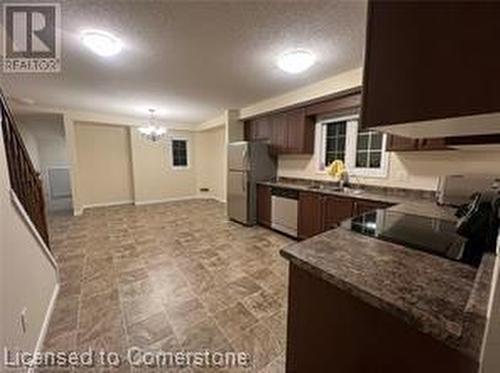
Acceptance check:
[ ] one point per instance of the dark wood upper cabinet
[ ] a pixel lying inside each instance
(405, 144)
(258, 129)
(263, 129)
(310, 214)
(400, 143)
(343, 104)
(300, 132)
(429, 60)
(433, 144)
(289, 132)
(264, 205)
(335, 210)
(279, 136)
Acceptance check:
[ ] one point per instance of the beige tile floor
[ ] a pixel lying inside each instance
(172, 277)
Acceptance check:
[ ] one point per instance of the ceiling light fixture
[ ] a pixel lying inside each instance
(296, 61)
(152, 131)
(101, 42)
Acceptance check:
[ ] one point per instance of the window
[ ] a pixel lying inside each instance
(335, 142)
(369, 149)
(180, 153)
(362, 151)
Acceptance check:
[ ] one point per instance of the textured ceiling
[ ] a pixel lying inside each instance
(191, 60)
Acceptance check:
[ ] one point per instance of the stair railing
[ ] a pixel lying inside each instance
(24, 179)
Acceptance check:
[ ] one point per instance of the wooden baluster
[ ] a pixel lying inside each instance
(24, 179)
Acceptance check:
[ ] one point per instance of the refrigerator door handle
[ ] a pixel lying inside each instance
(244, 182)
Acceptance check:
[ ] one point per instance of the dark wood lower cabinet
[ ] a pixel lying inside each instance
(330, 330)
(264, 205)
(335, 210)
(320, 212)
(317, 212)
(362, 206)
(310, 214)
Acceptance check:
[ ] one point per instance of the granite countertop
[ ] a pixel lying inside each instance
(440, 297)
(409, 204)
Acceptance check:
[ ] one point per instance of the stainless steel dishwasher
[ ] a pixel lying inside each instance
(284, 210)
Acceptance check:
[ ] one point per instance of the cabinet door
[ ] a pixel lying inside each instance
(400, 143)
(279, 139)
(258, 129)
(300, 132)
(362, 206)
(264, 205)
(335, 210)
(416, 51)
(310, 214)
(433, 144)
(249, 129)
(263, 130)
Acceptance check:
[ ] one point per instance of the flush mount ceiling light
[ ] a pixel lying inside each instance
(296, 61)
(101, 42)
(152, 131)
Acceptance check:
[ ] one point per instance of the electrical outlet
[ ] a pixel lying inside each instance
(24, 320)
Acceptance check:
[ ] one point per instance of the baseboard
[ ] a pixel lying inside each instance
(164, 200)
(46, 322)
(219, 199)
(105, 204)
(147, 202)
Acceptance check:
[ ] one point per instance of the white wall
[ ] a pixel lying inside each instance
(141, 171)
(491, 361)
(153, 175)
(416, 170)
(209, 162)
(104, 164)
(28, 279)
(46, 132)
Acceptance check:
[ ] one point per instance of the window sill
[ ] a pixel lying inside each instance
(378, 174)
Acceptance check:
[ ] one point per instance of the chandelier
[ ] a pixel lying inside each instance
(152, 132)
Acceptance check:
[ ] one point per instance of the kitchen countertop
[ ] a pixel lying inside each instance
(440, 297)
(409, 205)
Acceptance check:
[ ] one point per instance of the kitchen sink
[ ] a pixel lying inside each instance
(351, 191)
(326, 188)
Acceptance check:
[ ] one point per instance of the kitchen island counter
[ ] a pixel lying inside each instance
(437, 296)
(434, 296)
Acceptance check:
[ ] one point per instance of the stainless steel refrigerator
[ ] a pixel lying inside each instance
(248, 163)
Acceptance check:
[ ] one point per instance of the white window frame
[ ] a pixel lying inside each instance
(352, 127)
(188, 152)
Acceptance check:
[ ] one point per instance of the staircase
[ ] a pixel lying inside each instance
(24, 179)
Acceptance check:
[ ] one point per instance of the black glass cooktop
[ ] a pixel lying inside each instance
(435, 236)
